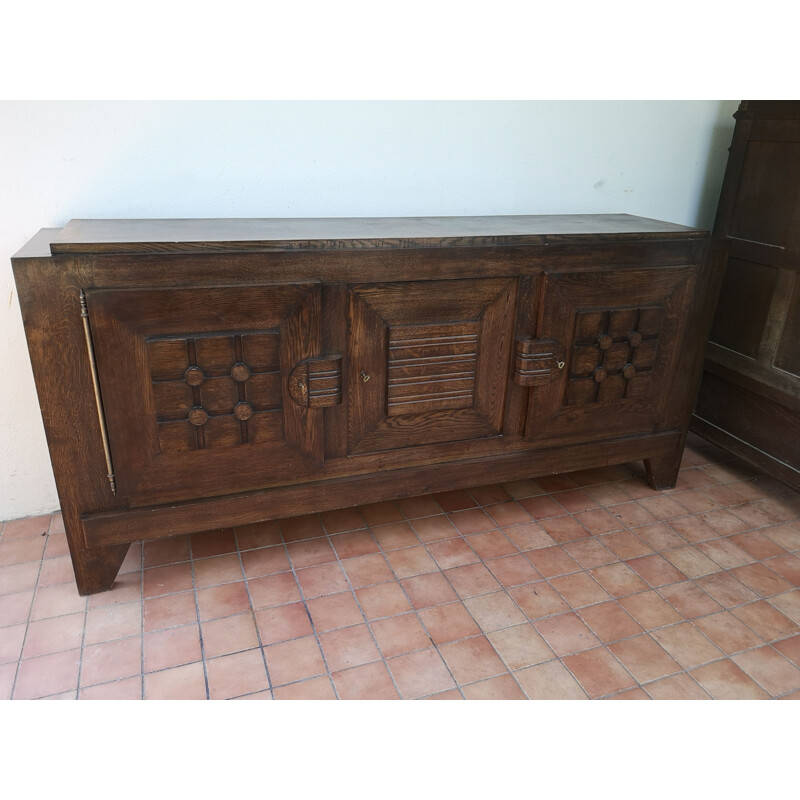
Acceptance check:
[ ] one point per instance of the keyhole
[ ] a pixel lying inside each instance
(364, 376)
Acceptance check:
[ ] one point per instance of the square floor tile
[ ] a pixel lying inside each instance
(227, 635)
(109, 661)
(618, 579)
(420, 674)
(566, 634)
(294, 660)
(494, 611)
(368, 682)
(180, 683)
(727, 632)
(472, 659)
(579, 589)
(236, 674)
(171, 647)
(348, 647)
(644, 658)
(688, 598)
(383, 600)
(650, 610)
(610, 621)
(501, 687)
(367, 570)
(448, 622)
(538, 600)
(599, 672)
(723, 680)
(765, 620)
(400, 634)
(677, 687)
(769, 669)
(687, 645)
(520, 646)
(549, 681)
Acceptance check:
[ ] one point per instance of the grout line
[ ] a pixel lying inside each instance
(199, 624)
(252, 615)
(305, 603)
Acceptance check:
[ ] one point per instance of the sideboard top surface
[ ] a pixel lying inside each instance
(351, 233)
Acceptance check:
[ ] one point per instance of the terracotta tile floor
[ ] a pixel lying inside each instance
(586, 585)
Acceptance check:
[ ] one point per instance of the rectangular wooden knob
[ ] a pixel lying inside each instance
(538, 361)
(317, 382)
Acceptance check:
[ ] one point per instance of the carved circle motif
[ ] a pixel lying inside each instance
(198, 416)
(243, 411)
(628, 371)
(634, 339)
(605, 341)
(194, 376)
(599, 375)
(240, 372)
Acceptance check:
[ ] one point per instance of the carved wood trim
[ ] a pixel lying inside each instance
(538, 361)
(317, 382)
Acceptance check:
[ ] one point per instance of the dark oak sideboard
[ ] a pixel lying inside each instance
(199, 374)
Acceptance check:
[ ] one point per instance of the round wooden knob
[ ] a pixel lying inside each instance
(240, 372)
(635, 339)
(605, 341)
(198, 416)
(194, 376)
(599, 375)
(243, 411)
(628, 371)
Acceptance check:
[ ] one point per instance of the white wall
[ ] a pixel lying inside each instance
(59, 160)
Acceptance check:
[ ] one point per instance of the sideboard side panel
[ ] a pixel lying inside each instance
(49, 293)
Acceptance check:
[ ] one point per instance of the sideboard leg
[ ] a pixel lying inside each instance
(662, 471)
(96, 568)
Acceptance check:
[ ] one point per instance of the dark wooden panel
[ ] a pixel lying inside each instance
(170, 520)
(768, 191)
(734, 410)
(787, 357)
(750, 394)
(621, 334)
(429, 361)
(175, 430)
(744, 304)
(385, 266)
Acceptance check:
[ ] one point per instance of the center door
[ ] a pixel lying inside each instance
(428, 361)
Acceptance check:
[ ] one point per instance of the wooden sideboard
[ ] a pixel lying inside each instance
(749, 400)
(199, 374)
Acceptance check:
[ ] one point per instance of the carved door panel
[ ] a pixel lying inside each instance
(428, 361)
(213, 389)
(606, 353)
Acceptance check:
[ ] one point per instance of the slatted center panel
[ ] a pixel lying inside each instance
(431, 367)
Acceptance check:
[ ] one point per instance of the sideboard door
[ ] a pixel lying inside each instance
(614, 338)
(211, 390)
(428, 361)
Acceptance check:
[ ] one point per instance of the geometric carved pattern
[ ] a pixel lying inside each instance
(613, 354)
(431, 367)
(215, 389)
